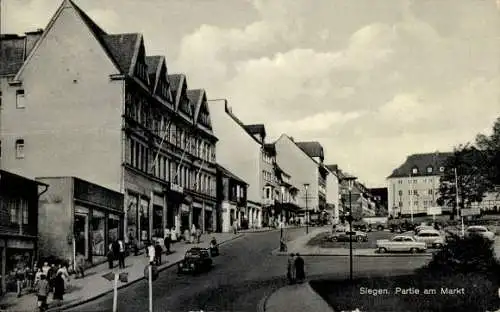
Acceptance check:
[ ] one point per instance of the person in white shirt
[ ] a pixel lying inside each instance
(121, 254)
(151, 253)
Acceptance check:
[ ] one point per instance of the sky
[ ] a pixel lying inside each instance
(372, 80)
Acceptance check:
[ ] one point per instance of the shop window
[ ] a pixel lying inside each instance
(113, 228)
(98, 235)
(158, 221)
(132, 224)
(25, 212)
(144, 220)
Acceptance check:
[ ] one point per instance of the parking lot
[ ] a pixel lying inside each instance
(320, 240)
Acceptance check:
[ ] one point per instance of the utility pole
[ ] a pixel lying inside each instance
(411, 198)
(306, 186)
(456, 199)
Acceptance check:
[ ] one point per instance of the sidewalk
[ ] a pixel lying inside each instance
(296, 298)
(94, 285)
(268, 229)
(300, 246)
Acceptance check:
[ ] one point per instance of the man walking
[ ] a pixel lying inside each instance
(121, 254)
(291, 269)
(300, 273)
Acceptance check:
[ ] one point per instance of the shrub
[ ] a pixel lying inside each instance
(464, 255)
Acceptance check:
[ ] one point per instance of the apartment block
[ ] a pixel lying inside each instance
(414, 185)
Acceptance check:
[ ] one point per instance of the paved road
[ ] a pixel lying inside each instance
(243, 274)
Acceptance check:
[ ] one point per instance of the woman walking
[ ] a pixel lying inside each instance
(58, 289)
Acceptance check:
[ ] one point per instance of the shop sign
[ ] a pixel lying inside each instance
(176, 188)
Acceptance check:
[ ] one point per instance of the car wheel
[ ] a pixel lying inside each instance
(413, 250)
(438, 245)
(359, 239)
(380, 228)
(334, 239)
(382, 250)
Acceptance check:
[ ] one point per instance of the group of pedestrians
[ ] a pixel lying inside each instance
(51, 279)
(296, 269)
(116, 251)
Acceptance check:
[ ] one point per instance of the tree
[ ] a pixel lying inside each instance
(472, 168)
(490, 145)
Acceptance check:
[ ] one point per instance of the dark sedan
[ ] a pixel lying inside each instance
(195, 260)
(345, 236)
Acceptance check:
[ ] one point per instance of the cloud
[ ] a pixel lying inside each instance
(315, 123)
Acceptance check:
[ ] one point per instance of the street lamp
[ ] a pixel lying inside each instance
(306, 186)
(350, 183)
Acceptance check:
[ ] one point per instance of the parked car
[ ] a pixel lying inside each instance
(431, 237)
(479, 230)
(344, 236)
(195, 260)
(423, 227)
(400, 243)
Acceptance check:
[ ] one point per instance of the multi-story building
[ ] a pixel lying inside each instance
(245, 160)
(413, 186)
(304, 163)
(232, 198)
(18, 225)
(333, 192)
(80, 102)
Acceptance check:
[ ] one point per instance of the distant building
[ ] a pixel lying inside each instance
(379, 196)
(231, 199)
(414, 186)
(333, 192)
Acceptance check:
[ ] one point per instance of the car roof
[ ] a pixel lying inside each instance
(404, 236)
(428, 231)
(476, 227)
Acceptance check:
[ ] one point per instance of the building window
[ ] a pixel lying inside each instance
(415, 192)
(415, 181)
(24, 209)
(429, 192)
(414, 171)
(0, 98)
(19, 148)
(409, 192)
(14, 212)
(441, 169)
(400, 181)
(429, 169)
(20, 99)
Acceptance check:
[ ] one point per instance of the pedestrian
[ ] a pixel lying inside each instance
(300, 273)
(116, 250)
(20, 277)
(63, 269)
(58, 289)
(42, 291)
(80, 265)
(151, 253)
(38, 276)
(30, 278)
(235, 228)
(121, 254)
(166, 241)
(51, 275)
(193, 233)
(110, 256)
(198, 235)
(158, 251)
(45, 269)
(291, 269)
(173, 235)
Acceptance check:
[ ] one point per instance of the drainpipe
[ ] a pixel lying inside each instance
(37, 203)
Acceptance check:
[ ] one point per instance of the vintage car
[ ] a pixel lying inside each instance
(479, 230)
(195, 260)
(400, 243)
(344, 236)
(433, 238)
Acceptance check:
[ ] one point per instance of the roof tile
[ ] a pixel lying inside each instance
(421, 162)
(313, 149)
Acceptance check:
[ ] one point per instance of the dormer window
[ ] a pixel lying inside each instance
(414, 171)
(429, 169)
(141, 71)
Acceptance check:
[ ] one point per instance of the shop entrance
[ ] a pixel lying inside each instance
(197, 217)
(81, 233)
(171, 209)
(158, 221)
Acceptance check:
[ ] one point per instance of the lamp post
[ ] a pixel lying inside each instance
(306, 186)
(350, 183)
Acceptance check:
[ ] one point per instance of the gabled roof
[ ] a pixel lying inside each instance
(333, 168)
(176, 81)
(153, 63)
(313, 148)
(229, 174)
(120, 48)
(256, 129)
(421, 162)
(196, 97)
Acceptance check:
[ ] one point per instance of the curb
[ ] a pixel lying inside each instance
(282, 254)
(86, 300)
